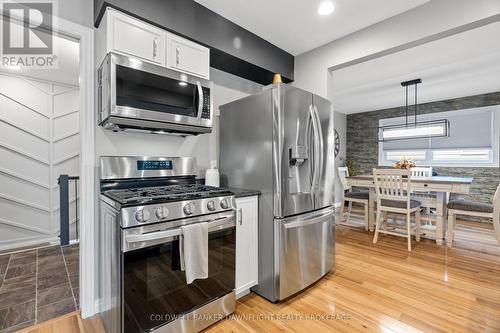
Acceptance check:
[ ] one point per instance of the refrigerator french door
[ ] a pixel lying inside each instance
(280, 142)
(304, 159)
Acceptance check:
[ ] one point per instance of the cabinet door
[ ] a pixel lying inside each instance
(246, 244)
(186, 56)
(129, 36)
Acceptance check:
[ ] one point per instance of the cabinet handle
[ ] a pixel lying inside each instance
(240, 217)
(155, 47)
(177, 55)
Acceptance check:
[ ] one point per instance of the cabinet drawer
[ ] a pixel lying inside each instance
(186, 56)
(135, 38)
(307, 246)
(438, 187)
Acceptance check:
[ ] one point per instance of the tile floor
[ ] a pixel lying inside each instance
(37, 285)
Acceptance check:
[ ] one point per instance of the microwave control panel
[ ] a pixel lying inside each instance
(205, 113)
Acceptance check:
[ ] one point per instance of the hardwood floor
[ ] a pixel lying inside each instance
(375, 288)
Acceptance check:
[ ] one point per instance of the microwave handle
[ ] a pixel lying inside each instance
(200, 99)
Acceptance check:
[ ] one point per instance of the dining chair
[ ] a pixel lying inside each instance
(392, 188)
(473, 208)
(351, 196)
(427, 199)
(421, 172)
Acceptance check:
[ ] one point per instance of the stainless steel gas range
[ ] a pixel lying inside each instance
(145, 202)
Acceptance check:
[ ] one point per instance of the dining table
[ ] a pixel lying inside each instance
(439, 188)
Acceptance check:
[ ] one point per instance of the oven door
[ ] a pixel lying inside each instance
(155, 291)
(154, 96)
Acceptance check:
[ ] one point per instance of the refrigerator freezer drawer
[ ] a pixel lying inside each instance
(306, 249)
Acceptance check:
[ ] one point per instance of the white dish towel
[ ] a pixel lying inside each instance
(193, 249)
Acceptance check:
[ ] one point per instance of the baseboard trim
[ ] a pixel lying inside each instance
(12, 245)
(242, 292)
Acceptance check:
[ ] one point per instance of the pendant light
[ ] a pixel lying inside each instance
(414, 129)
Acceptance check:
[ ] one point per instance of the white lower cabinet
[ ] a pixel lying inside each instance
(247, 249)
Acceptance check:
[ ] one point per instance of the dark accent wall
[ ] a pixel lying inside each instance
(362, 141)
(233, 49)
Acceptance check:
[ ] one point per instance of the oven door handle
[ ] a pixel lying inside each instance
(213, 225)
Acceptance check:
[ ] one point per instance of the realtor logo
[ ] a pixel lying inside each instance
(27, 34)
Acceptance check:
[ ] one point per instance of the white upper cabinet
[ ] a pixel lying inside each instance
(129, 36)
(188, 57)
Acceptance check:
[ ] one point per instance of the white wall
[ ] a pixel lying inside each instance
(39, 140)
(204, 147)
(433, 20)
(77, 11)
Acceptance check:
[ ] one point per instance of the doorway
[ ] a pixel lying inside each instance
(40, 113)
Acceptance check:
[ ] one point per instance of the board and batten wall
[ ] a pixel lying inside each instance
(362, 142)
(39, 140)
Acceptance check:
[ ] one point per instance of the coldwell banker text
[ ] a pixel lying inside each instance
(27, 34)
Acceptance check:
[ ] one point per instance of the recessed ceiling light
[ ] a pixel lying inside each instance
(326, 8)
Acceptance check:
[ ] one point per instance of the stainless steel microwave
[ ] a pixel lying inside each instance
(136, 95)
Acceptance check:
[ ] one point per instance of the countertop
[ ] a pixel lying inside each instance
(241, 193)
(238, 192)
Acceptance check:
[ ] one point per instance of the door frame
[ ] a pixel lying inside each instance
(85, 36)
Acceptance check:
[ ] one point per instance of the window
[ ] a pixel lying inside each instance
(452, 155)
(473, 140)
(395, 155)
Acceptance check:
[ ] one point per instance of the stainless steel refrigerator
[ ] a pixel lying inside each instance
(281, 142)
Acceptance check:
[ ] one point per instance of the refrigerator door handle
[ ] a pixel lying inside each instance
(308, 141)
(316, 154)
(314, 220)
(321, 146)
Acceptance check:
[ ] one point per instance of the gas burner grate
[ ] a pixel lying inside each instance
(167, 193)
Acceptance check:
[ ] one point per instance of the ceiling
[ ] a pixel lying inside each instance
(465, 64)
(67, 71)
(296, 27)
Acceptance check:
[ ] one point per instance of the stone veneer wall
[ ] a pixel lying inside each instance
(362, 142)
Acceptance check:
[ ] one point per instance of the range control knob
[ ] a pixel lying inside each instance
(224, 203)
(188, 208)
(142, 215)
(211, 205)
(161, 212)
